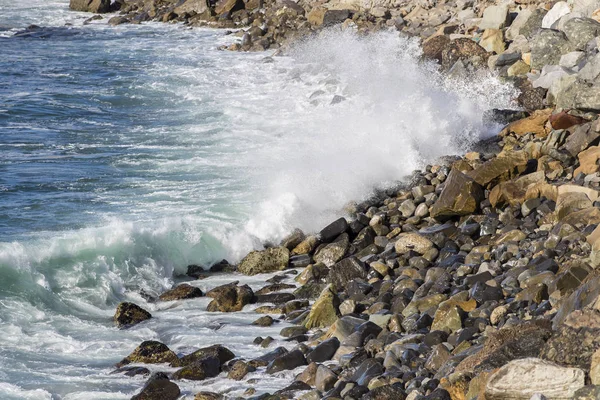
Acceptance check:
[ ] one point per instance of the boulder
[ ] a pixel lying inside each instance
(324, 378)
(494, 17)
(434, 46)
(461, 196)
(582, 137)
(319, 16)
(588, 161)
(535, 123)
(333, 252)
(129, 314)
(333, 230)
(324, 351)
(239, 370)
(158, 387)
(499, 169)
(181, 292)
(462, 49)
(492, 40)
(325, 310)
(558, 10)
(207, 367)
(412, 242)
(580, 31)
(93, 6)
(346, 271)
(191, 7)
(547, 47)
(150, 352)
(521, 379)
(231, 298)
(269, 260)
(287, 361)
(222, 353)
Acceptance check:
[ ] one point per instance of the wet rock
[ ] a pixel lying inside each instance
(462, 49)
(191, 7)
(231, 298)
(158, 387)
(150, 352)
(276, 298)
(181, 292)
(264, 321)
(269, 260)
(412, 242)
(291, 241)
(333, 252)
(325, 310)
(324, 378)
(129, 314)
(286, 361)
(93, 6)
(367, 370)
(460, 196)
(324, 351)
(222, 353)
(132, 371)
(207, 367)
(333, 230)
(208, 396)
(521, 379)
(239, 370)
(433, 48)
(345, 271)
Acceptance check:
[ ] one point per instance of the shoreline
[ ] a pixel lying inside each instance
(456, 287)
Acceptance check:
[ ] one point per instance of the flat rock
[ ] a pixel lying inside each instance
(150, 352)
(181, 292)
(461, 196)
(269, 260)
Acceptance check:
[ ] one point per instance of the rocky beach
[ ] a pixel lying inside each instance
(474, 277)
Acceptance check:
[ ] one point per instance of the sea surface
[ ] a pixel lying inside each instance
(128, 153)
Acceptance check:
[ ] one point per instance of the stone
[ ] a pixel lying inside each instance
(515, 27)
(583, 137)
(158, 387)
(191, 7)
(150, 352)
(324, 351)
(595, 368)
(576, 340)
(412, 242)
(319, 16)
(181, 292)
(308, 375)
(263, 321)
(438, 357)
(239, 370)
(564, 120)
(93, 6)
(129, 314)
(535, 124)
(499, 169)
(269, 260)
(287, 361)
(306, 246)
(460, 196)
(324, 378)
(547, 47)
(324, 311)
(462, 49)
(521, 379)
(492, 40)
(228, 6)
(518, 68)
(207, 367)
(434, 46)
(231, 298)
(367, 370)
(333, 230)
(447, 318)
(533, 23)
(494, 17)
(588, 161)
(578, 94)
(580, 31)
(558, 10)
(208, 396)
(345, 271)
(223, 354)
(333, 252)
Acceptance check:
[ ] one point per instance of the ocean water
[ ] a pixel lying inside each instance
(130, 152)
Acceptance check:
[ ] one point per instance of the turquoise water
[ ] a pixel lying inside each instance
(130, 152)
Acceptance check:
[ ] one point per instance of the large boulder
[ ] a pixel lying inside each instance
(462, 49)
(231, 298)
(547, 47)
(129, 314)
(325, 310)
(345, 271)
(269, 260)
(521, 379)
(93, 6)
(580, 31)
(158, 387)
(207, 367)
(333, 252)
(222, 353)
(286, 361)
(461, 196)
(150, 352)
(500, 169)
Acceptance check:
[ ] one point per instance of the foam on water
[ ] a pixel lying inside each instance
(197, 155)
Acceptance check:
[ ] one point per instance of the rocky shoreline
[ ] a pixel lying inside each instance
(475, 280)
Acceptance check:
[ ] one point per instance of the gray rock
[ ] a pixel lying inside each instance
(286, 361)
(547, 47)
(533, 23)
(158, 387)
(591, 70)
(556, 12)
(580, 31)
(494, 17)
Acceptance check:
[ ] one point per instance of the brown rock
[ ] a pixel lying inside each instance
(434, 46)
(269, 260)
(535, 124)
(93, 6)
(158, 387)
(181, 292)
(514, 192)
(231, 298)
(462, 49)
(150, 352)
(239, 370)
(588, 161)
(461, 196)
(564, 120)
(222, 353)
(500, 169)
(128, 314)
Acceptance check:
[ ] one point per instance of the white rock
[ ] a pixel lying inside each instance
(494, 17)
(521, 379)
(586, 7)
(591, 70)
(561, 8)
(572, 59)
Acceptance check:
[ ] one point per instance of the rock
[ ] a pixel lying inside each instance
(412, 242)
(492, 40)
(207, 367)
(306, 246)
(367, 370)
(575, 341)
(228, 6)
(583, 137)
(438, 357)
(191, 7)
(535, 124)
(564, 120)
(129, 314)
(269, 260)
(287, 361)
(264, 321)
(158, 387)
(580, 31)
(521, 379)
(150, 352)
(494, 17)
(559, 9)
(518, 68)
(579, 94)
(460, 196)
(499, 169)
(323, 17)
(181, 292)
(222, 353)
(533, 23)
(433, 47)
(231, 298)
(239, 370)
(293, 239)
(114, 21)
(462, 49)
(333, 252)
(93, 6)
(345, 271)
(333, 230)
(324, 311)
(520, 20)
(208, 396)
(588, 161)
(324, 351)
(448, 319)
(547, 47)
(324, 378)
